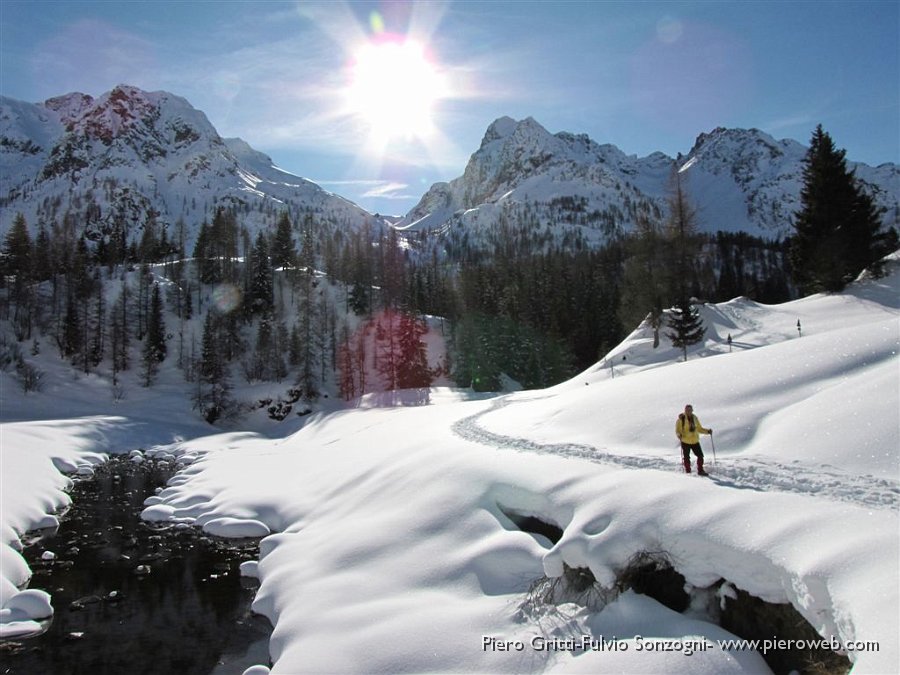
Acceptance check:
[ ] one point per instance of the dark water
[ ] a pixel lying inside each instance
(189, 614)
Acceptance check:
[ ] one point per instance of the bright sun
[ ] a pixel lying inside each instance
(393, 88)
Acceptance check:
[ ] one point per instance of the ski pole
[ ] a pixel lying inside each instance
(715, 461)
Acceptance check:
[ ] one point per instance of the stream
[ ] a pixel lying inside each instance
(137, 597)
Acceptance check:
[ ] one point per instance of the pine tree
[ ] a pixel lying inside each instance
(387, 349)
(283, 248)
(346, 365)
(70, 339)
(259, 289)
(43, 262)
(306, 353)
(303, 348)
(687, 327)
(476, 362)
(148, 249)
(154, 350)
(208, 270)
(98, 341)
(413, 371)
(119, 333)
(393, 269)
(284, 254)
(17, 262)
(837, 231)
(17, 251)
(214, 385)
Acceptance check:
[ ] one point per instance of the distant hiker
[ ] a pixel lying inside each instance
(688, 430)
(729, 342)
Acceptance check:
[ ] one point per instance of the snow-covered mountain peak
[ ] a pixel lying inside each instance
(725, 146)
(114, 160)
(69, 107)
(507, 138)
(137, 117)
(498, 129)
(740, 180)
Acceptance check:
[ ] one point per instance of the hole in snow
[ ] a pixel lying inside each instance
(652, 574)
(532, 524)
(751, 618)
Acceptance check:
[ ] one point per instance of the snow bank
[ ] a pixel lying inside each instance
(35, 457)
(393, 551)
(399, 542)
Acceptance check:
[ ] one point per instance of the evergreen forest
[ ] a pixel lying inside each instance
(325, 309)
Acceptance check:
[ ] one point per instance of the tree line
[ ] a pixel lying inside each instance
(321, 306)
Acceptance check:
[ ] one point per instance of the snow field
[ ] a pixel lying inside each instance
(391, 551)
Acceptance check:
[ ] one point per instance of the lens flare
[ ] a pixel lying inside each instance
(226, 297)
(376, 23)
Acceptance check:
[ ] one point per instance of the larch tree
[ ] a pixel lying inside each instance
(681, 228)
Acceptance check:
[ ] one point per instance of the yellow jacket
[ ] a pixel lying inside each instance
(683, 429)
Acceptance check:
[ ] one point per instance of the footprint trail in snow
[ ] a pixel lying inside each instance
(744, 473)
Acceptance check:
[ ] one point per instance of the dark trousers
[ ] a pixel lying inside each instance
(686, 452)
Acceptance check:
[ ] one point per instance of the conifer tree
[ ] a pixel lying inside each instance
(413, 371)
(681, 225)
(387, 349)
(154, 350)
(17, 251)
(214, 384)
(303, 348)
(283, 248)
(837, 231)
(687, 327)
(43, 262)
(283, 254)
(119, 333)
(304, 351)
(98, 341)
(148, 249)
(70, 337)
(16, 262)
(259, 291)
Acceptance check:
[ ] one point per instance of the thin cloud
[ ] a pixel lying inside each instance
(390, 190)
(96, 56)
(382, 189)
(801, 120)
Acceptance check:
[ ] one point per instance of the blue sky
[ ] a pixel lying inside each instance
(644, 76)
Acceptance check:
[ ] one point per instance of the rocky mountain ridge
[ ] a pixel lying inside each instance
(740, 180)
(131, 155)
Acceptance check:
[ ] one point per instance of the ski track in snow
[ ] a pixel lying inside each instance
(757, 474)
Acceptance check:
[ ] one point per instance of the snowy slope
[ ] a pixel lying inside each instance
(116, 159)
(739, 180)
(393, 549)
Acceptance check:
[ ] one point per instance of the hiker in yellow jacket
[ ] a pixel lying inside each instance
(688, 430)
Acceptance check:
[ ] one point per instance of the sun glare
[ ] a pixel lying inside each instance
(394, 87)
